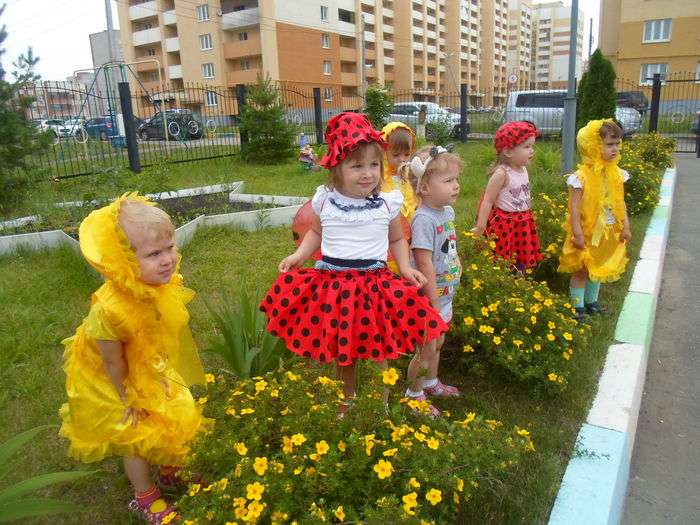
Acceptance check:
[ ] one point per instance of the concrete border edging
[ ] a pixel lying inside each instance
(594, 486)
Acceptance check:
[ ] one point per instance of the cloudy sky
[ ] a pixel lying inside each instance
(58, 31)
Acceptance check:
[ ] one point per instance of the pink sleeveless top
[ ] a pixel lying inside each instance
(515, 195)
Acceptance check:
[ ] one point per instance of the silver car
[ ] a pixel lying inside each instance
(407, 112)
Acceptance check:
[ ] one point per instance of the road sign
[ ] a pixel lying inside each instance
(513, 78)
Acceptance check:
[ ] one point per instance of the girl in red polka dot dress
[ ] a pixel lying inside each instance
(505, 208)
(350, 306)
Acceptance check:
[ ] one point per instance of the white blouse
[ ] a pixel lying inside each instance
(355, 234)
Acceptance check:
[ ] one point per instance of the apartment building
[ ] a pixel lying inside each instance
(551, 31)
(519, 53)
(644, 37)
(425, 46)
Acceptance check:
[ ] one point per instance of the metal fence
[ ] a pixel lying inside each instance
(194, 122)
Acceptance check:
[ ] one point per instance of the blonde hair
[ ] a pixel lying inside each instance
(500, 160)
(400, 141)
(439, 164)
(335, 176)
(136, 218)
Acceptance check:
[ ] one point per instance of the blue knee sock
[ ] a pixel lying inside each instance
(576, 295)
(592, 290)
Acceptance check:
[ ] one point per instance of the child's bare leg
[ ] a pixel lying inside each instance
(139, 473)
(578, 279)
(420, 365)
(434, 365)
(347, 374)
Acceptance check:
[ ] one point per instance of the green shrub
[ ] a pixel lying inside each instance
(596, 96)
(645, 157)
(512, 322)
(378, 104)
(440, 131)
(279, 454)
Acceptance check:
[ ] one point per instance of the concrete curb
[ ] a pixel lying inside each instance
(595, 482)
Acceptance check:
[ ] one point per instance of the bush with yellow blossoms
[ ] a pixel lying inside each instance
(645, 157)
(513, 322)
(279, 453)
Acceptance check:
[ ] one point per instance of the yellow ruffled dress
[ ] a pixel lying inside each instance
(152, 324)
(604, 254)
(391, 181)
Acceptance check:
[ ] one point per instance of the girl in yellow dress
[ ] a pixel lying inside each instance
(130, 362)
(597, 226)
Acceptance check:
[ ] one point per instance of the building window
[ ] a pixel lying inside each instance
(346, 16)
(146, 25)
(153, 76)
(649, 70)
(326, 67)
(243, 36)
(325, 41)
(205, 42)
(208, 70)
(324, 13)
(202, 12)
(657, 30)
(211, 98)
(328, 94)
(245, 65)
(151, 51)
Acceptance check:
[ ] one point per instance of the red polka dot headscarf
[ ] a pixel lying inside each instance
(511, 134)
(344, 133)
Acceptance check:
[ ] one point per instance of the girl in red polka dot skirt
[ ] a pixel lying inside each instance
(350, 306)
(505, 208)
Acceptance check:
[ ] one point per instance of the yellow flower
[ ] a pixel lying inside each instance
(274, 393)
(434, 496)
(517, 342)
(484, 311)
(241, 448)
(468, 349)
(551, 325)
(476, 284)
(260, 466)
(254, 491)
(209, 378)
(383, 469)
(552, 376)
(339, 513)
(413, 483)
(285, 411)
(409, 502)
(202, 400)
(322, 447)
(550, 336)
(537, 347)
(469, 321)
(568, 336)
(390, 376)
(533, 319)
(170, 517)
(341, 446)
(523, 432)
(538, 295)
(323, 380)
(486, 329)
(298, 439)
(293, 377)
(260, 386)
(497, 340)
(287, 445)
(239, 502)
(566, 355)
(369, 444)
(548, 302)
(433, 443)
(247, 411)
(460, 484)
(194, 489)
(254, 511)
(419, 436)
(390, 452)
(471, 416)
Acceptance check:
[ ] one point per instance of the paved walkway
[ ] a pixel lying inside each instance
(664, 486)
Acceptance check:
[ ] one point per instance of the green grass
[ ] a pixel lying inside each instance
(44, 296)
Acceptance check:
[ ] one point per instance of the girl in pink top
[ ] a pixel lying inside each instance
(504, 211)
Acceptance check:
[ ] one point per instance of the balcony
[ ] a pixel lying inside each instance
(172, 45)
(388, 44)
(389, 61)
(388, 12)
(388, 29)
(369, 19)
(146, 36)
(348, 54)
(241, 76)
(175, 72)
(348, 79)
(243, 48)
(169, 18)
(150, 65)
(144, 10)
(369, 37)
(240, 19)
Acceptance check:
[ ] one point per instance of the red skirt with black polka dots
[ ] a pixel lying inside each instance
(516, 236)
(350, 314)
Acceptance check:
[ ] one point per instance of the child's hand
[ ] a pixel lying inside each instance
(579, 241)
(289, 262)
(626, 235)
(478, 230)
(414, 276)
(134, 415)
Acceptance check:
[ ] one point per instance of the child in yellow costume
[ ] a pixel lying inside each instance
(401, 145)
(130, 361)
(597, 226)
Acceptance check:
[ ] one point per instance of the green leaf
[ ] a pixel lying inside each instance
(12, 445)
(26, 486)
(31, 507)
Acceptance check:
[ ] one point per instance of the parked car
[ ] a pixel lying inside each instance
(695, 128)
(53, 125)
(545, 109)
(102, 127)
(180, 123)
(71, 127)
(632, 99)
(407, 112)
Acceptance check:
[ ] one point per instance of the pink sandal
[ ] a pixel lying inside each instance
(433, 411)
(441, 390)
(154, 512)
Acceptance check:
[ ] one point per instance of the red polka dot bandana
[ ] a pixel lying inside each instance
(511, 134)
(344, 133)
